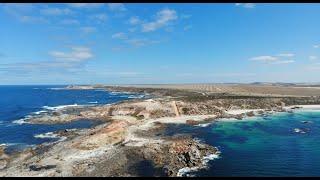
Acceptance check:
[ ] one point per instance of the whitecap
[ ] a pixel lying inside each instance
(93, 102)
(15, 144)
(39, 112)
(46, 135)
(50, 135)
(210, 157)
(56, 88)
(186, 171)
(21, 121)
(117, 92)
(59, 107)
(136, 96)
(205, 160)
(203, 125)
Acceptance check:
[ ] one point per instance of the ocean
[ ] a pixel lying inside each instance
(18, 103)
(261, 146)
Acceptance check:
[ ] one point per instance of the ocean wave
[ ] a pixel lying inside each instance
(57, 88)
(93, 102)
(15, 144)
(203, 125)
(39, 112)
(186, 171)
(22, 120)
(117, 92)
(136, 96)
(53, 108)
(47, 135)
(50, 135)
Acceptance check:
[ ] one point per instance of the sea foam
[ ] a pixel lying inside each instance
(22, 120)
(53, 108)
(186, 171)
(50, 135)
(93, 102)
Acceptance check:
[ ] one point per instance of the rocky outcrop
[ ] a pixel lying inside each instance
(250, 114)
(177, 154)
(192, 122)
(3, 158)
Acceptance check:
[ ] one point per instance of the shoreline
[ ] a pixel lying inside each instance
(130, 127)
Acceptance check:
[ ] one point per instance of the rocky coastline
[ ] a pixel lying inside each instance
(128, 134)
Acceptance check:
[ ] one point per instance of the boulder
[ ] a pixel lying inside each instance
(192, 122)
(250, 114)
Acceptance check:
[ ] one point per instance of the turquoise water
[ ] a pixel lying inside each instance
(263, 146)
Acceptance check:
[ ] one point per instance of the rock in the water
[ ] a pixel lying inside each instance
(250, 114)
(192, 122)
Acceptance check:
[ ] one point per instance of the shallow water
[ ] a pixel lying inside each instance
(20, 102)
(264, 146)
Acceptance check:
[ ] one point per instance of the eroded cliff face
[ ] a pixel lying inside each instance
(168, 158)
(178, 153)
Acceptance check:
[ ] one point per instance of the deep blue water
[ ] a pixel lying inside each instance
(19, 102)
(263, 146)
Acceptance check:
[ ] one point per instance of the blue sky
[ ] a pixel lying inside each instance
(116, 43)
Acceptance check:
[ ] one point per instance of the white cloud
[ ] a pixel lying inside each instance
(286, 55)
(116, 7)
(163, 17)
(22, 12)
(313, 58)
(283, 62)
(70, 22)
(264, 58)
(63, 62)
(77, 54)
(246, 5)
(134, 20)
(119, 35)
(86, 5)
(56, 11)
(316, 46)
(17, 8)
(274, 59)
(232, 74)
(88, 29)
(99, 17)
(140, 42)
(32, 19)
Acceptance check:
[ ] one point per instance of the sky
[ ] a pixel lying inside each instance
(115, 43)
